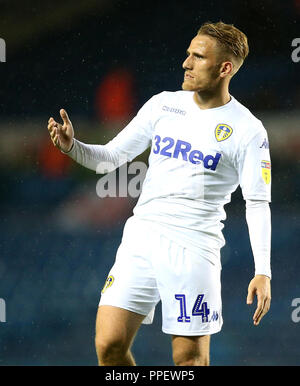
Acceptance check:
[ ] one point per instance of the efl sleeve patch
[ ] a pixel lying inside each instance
(266, 171)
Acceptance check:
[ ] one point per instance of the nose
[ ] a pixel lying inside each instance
(187, 64)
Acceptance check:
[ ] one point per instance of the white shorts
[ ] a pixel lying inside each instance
(150, 267)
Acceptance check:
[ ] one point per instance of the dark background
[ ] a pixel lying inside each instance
(101, 60)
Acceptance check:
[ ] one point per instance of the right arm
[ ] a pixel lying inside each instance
(129, 143)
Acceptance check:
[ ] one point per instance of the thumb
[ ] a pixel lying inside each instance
(64, 116)
(250, 296)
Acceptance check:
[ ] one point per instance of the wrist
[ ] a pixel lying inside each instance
(70, 148)
(262, 275)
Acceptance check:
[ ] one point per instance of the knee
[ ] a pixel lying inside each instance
(109, 352)
(184, 358)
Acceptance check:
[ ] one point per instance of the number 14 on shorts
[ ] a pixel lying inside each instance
(200, 308)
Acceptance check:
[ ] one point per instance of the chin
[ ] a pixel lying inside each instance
(187, 87)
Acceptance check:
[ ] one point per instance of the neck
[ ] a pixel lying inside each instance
(209, 100)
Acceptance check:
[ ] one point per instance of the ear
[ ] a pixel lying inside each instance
(226, 69)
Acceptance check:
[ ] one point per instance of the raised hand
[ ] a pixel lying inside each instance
(61, 135)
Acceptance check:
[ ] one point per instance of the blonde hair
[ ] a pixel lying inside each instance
(232, 42)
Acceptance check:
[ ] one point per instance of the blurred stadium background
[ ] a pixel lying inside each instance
(101, 60)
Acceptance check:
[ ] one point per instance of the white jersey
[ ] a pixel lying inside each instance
(197, 160)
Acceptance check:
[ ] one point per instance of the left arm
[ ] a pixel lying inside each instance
(255, 182)
(258, 218)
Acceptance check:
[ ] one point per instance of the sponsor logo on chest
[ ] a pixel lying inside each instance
(172, 148)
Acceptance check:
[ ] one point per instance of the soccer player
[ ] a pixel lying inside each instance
(204, 144)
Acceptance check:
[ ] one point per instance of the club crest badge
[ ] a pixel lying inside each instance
(108, 283)
(222, 132)
(266, 171)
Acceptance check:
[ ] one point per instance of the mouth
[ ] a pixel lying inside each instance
(188, 76)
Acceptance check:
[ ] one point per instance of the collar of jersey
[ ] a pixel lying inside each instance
(228, 104)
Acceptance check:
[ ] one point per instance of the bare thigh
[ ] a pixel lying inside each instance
(191, 350)
(116, 328)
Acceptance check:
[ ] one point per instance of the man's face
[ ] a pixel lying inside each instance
(202, 66)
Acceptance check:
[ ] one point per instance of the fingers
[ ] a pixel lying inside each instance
(259, 310)
(51, 125)
(54, 129)
(55, 140)
(263, 306)
(259, 286)
(55, 137)
(61, 135)
(66, 120)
